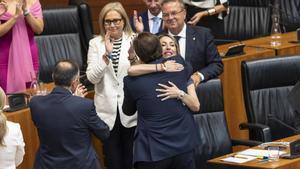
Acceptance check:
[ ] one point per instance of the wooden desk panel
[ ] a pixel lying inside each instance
(30, 135)
(280, 164)
(286, 48)
(232, 87)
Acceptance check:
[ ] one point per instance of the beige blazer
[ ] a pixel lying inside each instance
(109, 93)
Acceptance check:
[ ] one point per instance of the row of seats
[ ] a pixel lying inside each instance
(266, 86)
(66, 35)
(252, 18)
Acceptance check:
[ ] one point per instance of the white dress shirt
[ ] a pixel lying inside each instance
(11, 155)
(182, 40)
(150, 20)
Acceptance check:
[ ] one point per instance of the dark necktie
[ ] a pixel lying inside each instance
(177, 39)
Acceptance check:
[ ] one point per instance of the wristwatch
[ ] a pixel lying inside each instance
(181, 94)
(26, 12)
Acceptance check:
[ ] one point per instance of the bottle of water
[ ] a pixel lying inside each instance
(275, 31)
(34, 86)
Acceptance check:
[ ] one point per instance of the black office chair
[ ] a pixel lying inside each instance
(86, 26)
(246, 22)
(289, 11)
(59, 40)
(212, 126)
(266, 85)
(254, 3)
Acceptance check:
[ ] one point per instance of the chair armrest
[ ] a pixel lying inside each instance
(264, 130)
(286, 127)
(250, 143)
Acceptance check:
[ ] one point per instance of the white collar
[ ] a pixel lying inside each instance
(150, 16)
(182, 33)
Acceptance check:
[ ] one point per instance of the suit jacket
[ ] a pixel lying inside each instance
(165, 128)
(145, 18)
(109, 93)
(64, 123)
(202, 53)
(11, 155)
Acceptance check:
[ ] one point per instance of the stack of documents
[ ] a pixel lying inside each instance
(239, 158)
(258, 153)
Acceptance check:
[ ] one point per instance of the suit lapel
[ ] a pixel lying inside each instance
(190, 44)
(146, 21)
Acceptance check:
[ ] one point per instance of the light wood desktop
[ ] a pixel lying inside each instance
(280, 164)
(286, 47)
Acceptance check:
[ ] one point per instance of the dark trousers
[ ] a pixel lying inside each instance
(181, 161)
(118, 148)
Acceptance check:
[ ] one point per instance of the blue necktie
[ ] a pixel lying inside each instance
(156, 25)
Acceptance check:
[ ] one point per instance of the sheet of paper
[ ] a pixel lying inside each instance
(256, 152)
(239, 159)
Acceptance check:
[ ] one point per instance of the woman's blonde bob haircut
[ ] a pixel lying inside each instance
(114, 6)
(3, 126)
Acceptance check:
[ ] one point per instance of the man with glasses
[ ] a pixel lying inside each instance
(151, 19)
(196, 43)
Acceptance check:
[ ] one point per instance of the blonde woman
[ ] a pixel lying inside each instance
(107, 66)
(11, 140)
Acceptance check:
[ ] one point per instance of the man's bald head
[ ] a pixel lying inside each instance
(65, 72)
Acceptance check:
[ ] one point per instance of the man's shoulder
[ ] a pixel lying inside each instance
(198, 29)
(82, 100)
(144, 14)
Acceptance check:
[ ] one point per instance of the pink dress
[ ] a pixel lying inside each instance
(18, 53)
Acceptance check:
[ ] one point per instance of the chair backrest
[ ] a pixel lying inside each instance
(255, 3)
(266, 85)
(86, 25)
(245, 22)
(59, 40)
(290, 14)
(212, 125)
(210, 95)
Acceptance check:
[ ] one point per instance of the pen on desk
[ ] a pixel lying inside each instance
(262, 157)
(263, 160)
(237, 156)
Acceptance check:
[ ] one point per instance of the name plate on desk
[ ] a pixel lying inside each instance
(294, 150)
(16, 101)
(234, 50)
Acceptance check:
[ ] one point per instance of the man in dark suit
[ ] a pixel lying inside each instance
(65, 122)
(166, 133)
(151, 19)
(196, 43)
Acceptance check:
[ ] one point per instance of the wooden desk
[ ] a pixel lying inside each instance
(232, 87)
(286, 48)
(280, 164)
(30, 135)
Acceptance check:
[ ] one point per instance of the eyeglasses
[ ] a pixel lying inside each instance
(173, 13)
(108, 22)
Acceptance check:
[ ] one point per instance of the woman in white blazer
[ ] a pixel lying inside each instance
(107, 66)
(11, 140)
